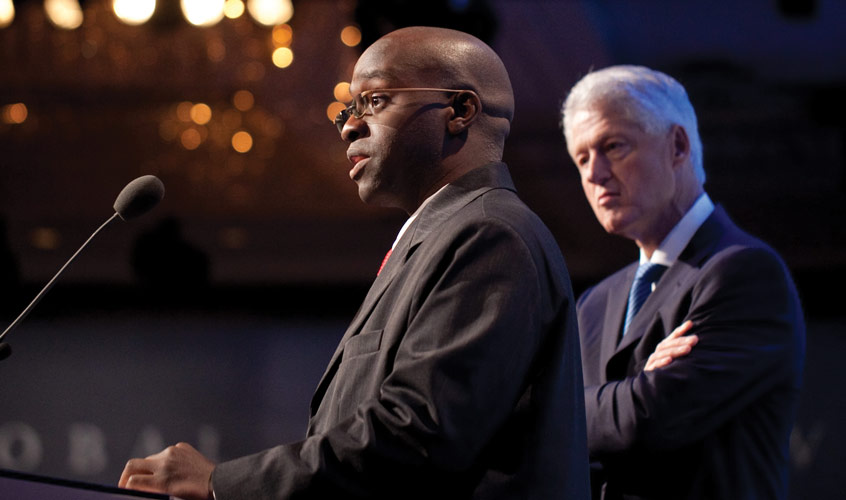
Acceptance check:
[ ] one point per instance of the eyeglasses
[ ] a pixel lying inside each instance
(367, 102)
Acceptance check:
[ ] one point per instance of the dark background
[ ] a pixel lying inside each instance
(211, 319)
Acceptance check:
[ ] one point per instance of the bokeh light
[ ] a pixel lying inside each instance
(134, 12)
(351, 36)
(271, 12)
(183, 111)
(233, 9)
(45, 238)
(243, 100)
(242, 141)
(202, 12)
(7, 13)
(201, 113)
(169, 130)
(191, 139)
(65, 14)
(15, 113)
(333, 109)
(342, 92)
(283, 57)
(283, 35)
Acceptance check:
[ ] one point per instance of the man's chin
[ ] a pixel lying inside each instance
(366, 194)
(616, 227)
(379, 199)
(371, 196)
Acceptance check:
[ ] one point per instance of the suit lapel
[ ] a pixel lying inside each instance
(615, 310)
(667, 293)
(665, 296)
(398, 257)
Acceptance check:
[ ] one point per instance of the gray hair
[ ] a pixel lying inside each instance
(649, 98)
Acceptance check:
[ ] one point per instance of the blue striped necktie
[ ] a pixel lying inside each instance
(647, 274)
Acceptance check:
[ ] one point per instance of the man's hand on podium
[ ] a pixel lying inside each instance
(178, 470)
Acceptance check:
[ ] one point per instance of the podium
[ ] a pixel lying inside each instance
(23, 486)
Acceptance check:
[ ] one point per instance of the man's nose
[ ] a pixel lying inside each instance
(353, 129)
(598, 169)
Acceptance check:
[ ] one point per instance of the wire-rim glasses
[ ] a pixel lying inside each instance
(362, 104)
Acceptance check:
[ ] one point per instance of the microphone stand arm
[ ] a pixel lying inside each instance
(5, 349)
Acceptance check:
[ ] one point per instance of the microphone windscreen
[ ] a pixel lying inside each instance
(139, 197)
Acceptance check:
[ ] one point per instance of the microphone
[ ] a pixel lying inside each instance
(137, 198)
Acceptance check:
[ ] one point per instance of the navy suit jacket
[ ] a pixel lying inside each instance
(715, 423)
(458, 378)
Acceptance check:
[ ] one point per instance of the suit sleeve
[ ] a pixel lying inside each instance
(473, 332)
(746, 314)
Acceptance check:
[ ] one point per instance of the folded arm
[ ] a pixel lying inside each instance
(746, 319)
(676, 345)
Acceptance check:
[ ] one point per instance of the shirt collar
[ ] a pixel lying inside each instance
(415, 214)
(669, 250)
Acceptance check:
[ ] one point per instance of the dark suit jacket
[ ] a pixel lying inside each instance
(459, 377)
(715, 423)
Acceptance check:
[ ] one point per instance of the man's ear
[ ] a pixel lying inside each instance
(680, 144)
(466, 107)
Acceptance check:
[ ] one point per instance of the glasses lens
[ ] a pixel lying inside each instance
(341, 119)
(360, 106)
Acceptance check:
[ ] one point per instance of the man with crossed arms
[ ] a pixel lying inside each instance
(692, 356)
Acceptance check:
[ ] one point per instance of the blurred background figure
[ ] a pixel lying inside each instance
(167, 264)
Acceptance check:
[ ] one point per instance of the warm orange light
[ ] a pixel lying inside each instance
(201, 113)
(351, 36)
(242, 141)
(183, 111)
(342, 92)
(15, 113)
(243, 100)
(169, 130)
(45, 238)
(283, 57)
(333, 109)
(283, 35)
(191, 139)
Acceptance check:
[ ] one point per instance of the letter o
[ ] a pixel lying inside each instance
(20, 447)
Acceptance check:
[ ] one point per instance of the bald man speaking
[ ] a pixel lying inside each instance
(460, 376)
